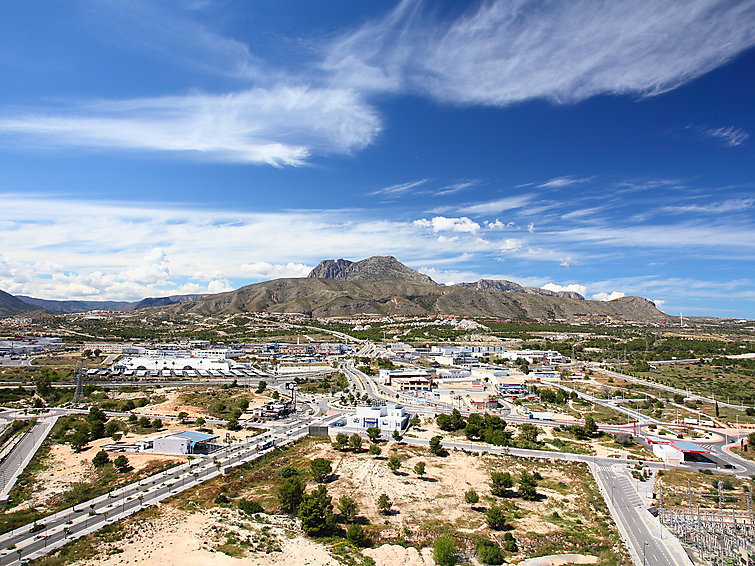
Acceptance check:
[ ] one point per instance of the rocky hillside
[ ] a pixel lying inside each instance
(10, 305)
(510, 286)
(322, 297)
(376, 268)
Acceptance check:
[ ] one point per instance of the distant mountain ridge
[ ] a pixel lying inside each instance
(379, 285)
(10, 305)
(86, 306)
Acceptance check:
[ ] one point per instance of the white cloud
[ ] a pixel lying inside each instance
(558, 182)
(399, 189)
(511, 245)
(730, 205)
(281, 125)
(608, 296)
(219, 286)
(444, 224)
(498, 225)
(265, 270)
(729, 135)
(504, 52)
(498, 205)
(573, 287)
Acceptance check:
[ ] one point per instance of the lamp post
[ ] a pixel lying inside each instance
(644, 559)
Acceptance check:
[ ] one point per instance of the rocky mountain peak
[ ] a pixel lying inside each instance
(376, 268)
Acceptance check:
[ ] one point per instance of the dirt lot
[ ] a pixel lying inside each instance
(569, 517)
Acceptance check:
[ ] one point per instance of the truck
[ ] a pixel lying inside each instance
(541, 416)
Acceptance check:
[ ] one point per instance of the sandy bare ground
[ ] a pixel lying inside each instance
(560, 560)
(397, 555)
(177, 538)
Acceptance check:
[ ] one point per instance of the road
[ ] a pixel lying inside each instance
(649, 542)
(22, 452)
(36, 539)
(674, 390)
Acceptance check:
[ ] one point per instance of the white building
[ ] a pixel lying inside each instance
(389, 417)
(187, 442)
(178, 362)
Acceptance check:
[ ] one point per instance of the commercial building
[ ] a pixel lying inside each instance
(187, 442)
(680, 451)
(388, 417)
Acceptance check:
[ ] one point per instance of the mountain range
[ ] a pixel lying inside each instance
(379, 285)
(382, 285)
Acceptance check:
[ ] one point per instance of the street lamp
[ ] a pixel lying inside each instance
(644, 546)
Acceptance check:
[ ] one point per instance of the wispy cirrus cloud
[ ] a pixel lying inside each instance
(397, 189)
(277, 126)
(503, 52)
(498, 205)
(728, 135)
(558, 182)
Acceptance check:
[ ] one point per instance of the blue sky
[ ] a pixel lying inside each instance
(149, 148)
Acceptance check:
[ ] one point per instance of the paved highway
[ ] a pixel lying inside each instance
(13, 463)
(36, 539)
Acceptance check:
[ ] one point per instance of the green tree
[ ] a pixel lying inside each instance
(182, 416)
(509, 544)
(341, 441)
(471, 497)
(489, 552)
(288, 471)
(591, 428)
(355, 535)
(79, 439)
(122, 464)
(444, 550)
(261, 386)
(375, 450)
(316, 513)
(233, 424)
(373, 433)
(355, 442)
(529, 432)
(348, 508)
(144, 422)
(321, 469)
(290, 494)
(501, 484)
(384, 504)
(111, 428)
(199, 421)
(435, 446)
(414, 421)
(96, 430)
(394, 463)
(250, 507)
(419, 468)
(527, 486)
(157, 424)
(496, 518)
(100, 459)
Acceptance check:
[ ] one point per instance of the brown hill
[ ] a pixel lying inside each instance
(10, 305)
(332, 298)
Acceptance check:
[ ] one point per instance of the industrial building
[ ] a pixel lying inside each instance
(187, 442)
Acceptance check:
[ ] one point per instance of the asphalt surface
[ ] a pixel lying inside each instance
(15, 461)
